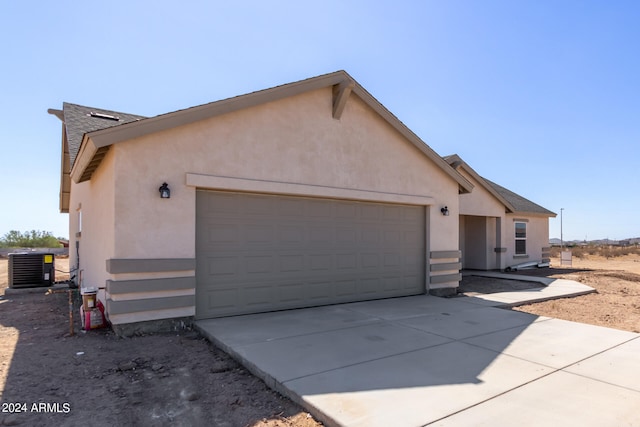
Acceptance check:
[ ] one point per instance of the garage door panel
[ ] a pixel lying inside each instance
(321, 262)
(345, 210)
(346, 236)
(224, 203)
(291, 208)
(347, 261)
(319, 291)
(323, 234)
(258, 234)
(370, 234)
(258, 295)
(411, 262)
(393, 237)
(219, 300)
(291, 263)
(409, 282)
(346, 289)
(261, 252)
(393, 283)
(222, 234)
(370, 212)
(319, 209)
(369, 261)
(369, 286)
(222, 265)
(260, 264)
(291, 234)
(392, 259)
(293, 293)
(255, 207)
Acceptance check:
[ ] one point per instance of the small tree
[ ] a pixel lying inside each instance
(29, 239)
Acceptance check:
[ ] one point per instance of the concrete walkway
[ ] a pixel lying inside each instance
(549, 289)
(425, 360)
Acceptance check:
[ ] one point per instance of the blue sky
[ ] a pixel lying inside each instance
(542, 97)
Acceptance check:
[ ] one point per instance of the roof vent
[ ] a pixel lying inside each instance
(104, 116)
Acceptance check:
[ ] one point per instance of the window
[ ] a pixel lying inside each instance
(79, 232)
(521, 238)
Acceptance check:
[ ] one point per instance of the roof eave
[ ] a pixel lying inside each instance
(455, 162)
(65, 186)
(65, 170)
(89, 157)
(538, 214)
(464, 186)
(187, 116)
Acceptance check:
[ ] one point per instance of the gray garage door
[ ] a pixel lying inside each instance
(258, 253)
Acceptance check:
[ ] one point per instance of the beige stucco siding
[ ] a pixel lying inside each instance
(480, 212)
(537, 238)
(285, 144)
(94, 201)
(148, 226)
(294, 140)
(478, 241)
(479, 202)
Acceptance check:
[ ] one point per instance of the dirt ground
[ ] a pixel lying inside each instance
(616, 304)
(95, 378)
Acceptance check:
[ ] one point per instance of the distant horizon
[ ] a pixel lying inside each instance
(593, 240)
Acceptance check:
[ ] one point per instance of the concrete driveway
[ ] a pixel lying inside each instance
(426, 360)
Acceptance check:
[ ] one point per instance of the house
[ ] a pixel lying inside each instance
(498, 228)
(305, 194)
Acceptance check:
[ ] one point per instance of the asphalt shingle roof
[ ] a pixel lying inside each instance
(519, 203)
(79, 120)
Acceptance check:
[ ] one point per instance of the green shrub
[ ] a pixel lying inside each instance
(29, 239)
(606, 251)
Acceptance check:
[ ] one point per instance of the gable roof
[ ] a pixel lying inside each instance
(519, 203)
(514, 203)
(95, 142)
(79, 120)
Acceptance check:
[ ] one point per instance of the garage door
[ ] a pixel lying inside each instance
(258, 253)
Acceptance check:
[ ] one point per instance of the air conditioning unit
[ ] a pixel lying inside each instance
(31, 269)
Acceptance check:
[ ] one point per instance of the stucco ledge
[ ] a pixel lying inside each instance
(214, 182)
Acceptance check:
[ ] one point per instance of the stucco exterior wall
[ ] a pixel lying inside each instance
(94, 202)
(537, 238)
(479, 238)
(479, 202)
(290, 142)
(294, 140)
(479, 233)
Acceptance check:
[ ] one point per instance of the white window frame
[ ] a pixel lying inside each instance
(520, 239)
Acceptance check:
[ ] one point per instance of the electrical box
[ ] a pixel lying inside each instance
(31, 269)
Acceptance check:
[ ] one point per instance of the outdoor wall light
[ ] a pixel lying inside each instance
(165, 193)
(445, 211)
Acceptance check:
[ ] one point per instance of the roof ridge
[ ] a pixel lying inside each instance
(104, 110)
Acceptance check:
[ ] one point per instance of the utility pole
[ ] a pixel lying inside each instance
(561, 237)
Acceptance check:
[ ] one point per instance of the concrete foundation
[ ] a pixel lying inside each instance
(153, 326)
(443, 292)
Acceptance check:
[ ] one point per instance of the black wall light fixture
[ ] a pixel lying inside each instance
(165, 193)
(445, 211)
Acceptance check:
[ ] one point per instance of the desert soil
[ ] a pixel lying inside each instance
(95, 378)
(616, 303)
